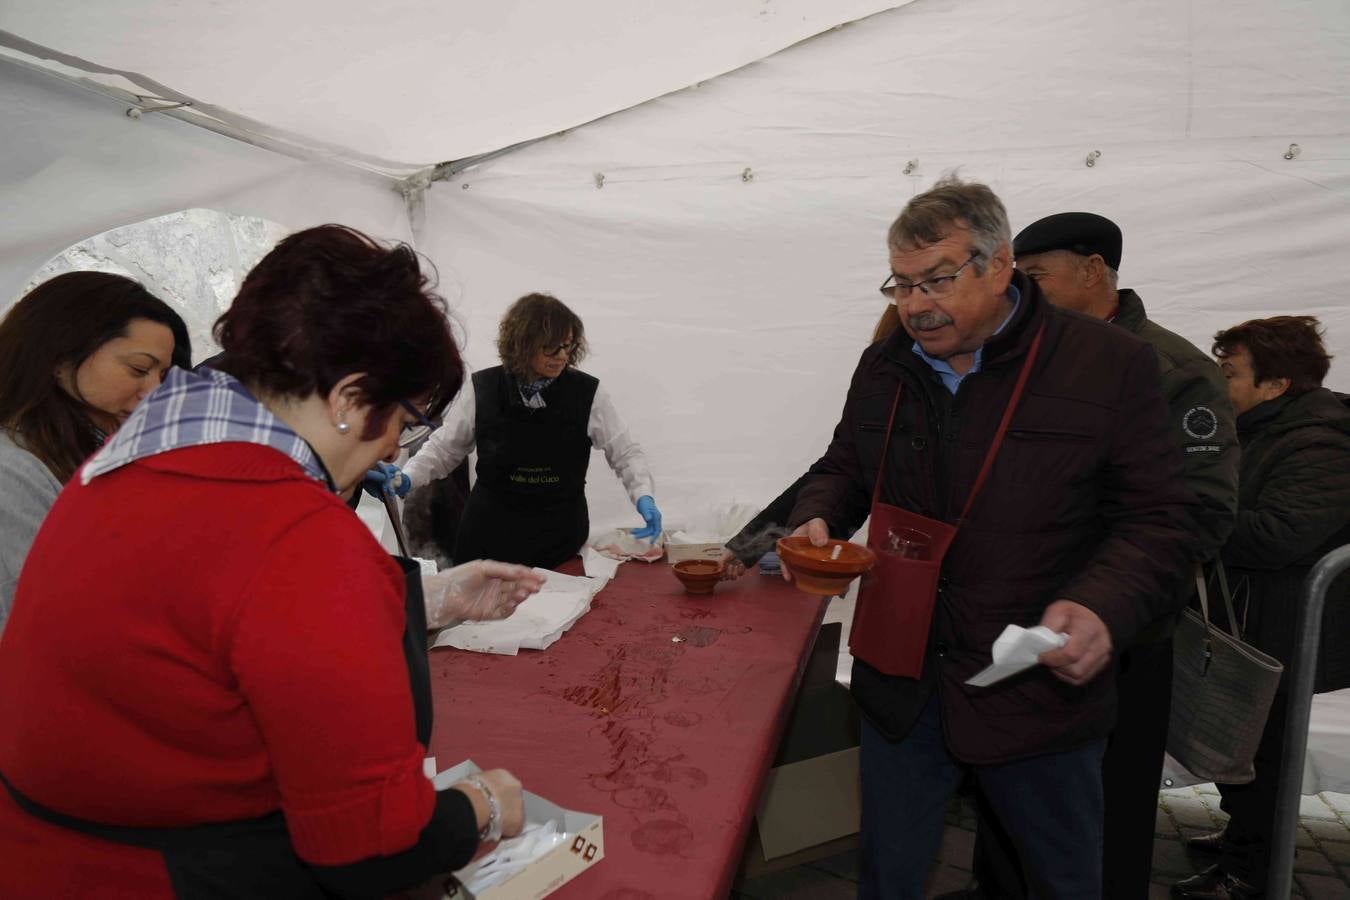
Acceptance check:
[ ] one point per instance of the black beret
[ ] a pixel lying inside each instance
(1083, 233)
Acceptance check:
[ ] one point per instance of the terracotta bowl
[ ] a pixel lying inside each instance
(815, 572)
(699, 576)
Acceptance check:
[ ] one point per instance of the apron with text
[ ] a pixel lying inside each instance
(895, 604)
(528, 504)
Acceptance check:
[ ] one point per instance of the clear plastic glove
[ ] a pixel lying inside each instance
(386, 480)
(646, 508)
(477, 591)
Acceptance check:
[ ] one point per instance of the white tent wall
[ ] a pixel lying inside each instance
(75, 165)
(726, 314)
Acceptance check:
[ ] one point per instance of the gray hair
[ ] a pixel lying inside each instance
(951, 202)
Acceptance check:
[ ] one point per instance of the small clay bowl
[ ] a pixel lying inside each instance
(699, 576)
(815, 572)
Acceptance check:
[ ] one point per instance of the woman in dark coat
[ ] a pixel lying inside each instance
(1293, 507)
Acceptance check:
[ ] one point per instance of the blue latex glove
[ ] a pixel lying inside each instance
(386, 480)
(646, 508)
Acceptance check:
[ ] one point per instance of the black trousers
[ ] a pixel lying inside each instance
(1131, 772)
(1252, 806)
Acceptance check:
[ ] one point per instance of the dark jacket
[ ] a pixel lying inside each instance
(1201, 420)
(1084, 502)
(1293, 507)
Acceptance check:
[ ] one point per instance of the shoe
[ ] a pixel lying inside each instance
(1215, 842)
(1215, 884)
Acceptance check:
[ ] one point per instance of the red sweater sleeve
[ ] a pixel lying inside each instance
(318, 655)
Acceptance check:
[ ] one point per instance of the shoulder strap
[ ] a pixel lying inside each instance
(1008, 411)
(886, 445)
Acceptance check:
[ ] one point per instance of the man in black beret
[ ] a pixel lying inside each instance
(1073, 258)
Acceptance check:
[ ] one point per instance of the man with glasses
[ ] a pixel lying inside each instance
(1074, 258)
(1038, 436)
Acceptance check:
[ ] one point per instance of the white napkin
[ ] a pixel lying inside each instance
(621, 545)
(1016, 650)
(536, 623)
(597, 565)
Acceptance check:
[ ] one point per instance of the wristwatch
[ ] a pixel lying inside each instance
(492, 831)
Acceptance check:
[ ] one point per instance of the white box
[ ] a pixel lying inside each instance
(584, 847)
(680, 552)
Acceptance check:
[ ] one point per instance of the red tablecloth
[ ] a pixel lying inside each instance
(668, 740)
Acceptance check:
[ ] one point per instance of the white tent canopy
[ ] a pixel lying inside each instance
(723, 242)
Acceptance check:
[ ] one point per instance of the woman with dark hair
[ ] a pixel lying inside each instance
(210, 675)
(534, 420)
(1293, 507)
(77, 354)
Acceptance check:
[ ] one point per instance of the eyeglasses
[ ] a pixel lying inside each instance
(415, 431)
(570, 347)
(937, 286)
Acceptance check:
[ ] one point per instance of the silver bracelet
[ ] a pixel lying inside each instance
(492, 831)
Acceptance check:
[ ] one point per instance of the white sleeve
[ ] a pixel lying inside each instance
(609, 432)
(448, 445)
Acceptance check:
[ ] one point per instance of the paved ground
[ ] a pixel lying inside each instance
(1321, 870)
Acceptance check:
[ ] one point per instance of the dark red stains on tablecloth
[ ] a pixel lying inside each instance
(662, 837)
(698, 636)
(682, 718)
(668, 740)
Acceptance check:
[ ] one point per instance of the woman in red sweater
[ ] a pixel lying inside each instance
(203, 679)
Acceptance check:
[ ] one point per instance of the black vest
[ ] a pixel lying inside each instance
(528, 504)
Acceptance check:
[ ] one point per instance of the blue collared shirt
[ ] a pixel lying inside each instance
(950, 378)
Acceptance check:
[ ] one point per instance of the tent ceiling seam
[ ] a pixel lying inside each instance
(205, 115)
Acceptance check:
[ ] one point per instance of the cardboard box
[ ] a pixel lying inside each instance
(584, 847)
(680, 552)
(812, 795)
(808, 803)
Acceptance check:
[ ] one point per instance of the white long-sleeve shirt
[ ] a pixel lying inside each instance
(450, 444)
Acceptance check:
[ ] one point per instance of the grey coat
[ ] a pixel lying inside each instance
(27, 490)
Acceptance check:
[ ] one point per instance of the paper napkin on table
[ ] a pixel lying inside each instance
(536, 623)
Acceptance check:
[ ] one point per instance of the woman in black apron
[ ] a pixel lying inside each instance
(534, 420)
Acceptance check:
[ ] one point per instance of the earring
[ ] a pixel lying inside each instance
(343, 427)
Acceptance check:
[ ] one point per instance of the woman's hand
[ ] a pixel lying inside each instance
(477, 591)
(646, 508)
(386, 480)
(508, 794)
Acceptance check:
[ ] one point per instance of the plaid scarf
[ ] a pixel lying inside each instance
(193, 409)
(530, 393)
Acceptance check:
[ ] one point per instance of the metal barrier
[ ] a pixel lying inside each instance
(1301, 673)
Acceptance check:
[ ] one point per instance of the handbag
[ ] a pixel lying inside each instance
(1222, 689)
